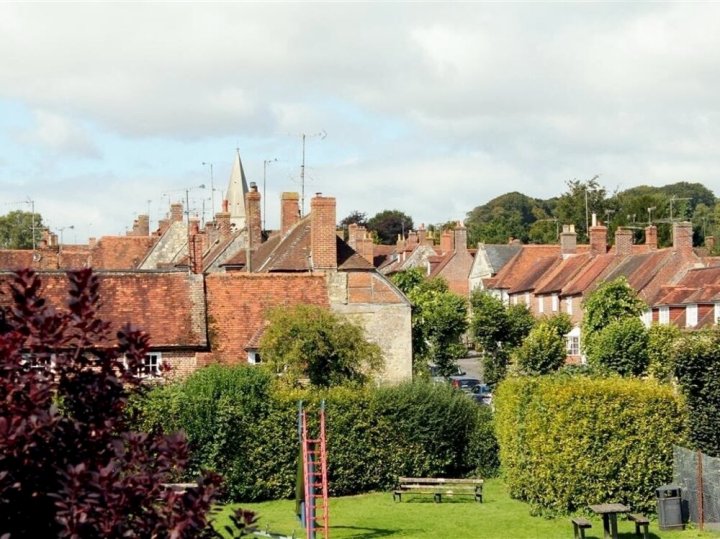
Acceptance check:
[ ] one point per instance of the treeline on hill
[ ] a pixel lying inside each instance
(532, 220)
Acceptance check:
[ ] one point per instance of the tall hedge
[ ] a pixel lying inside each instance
(241, 424)
(569, 441)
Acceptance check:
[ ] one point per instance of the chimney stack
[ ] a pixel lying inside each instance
(460, 242)
(682, 237)
(254, 221)
(289, 211)
(323, 239)
(568, 240)
(446, 241)
(710, 243)
(141, 226)
(651, 237)
(224, 225)
(196, 247)
(176, 212)
(623, 241)
(598, 237)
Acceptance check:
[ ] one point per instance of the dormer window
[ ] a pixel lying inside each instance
(253, 356)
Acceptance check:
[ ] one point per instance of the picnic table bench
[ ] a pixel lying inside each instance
(439, 487)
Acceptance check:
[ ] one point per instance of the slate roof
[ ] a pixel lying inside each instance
(499, 255)
(640, 269)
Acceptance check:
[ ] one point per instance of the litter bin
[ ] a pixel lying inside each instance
(669, 507)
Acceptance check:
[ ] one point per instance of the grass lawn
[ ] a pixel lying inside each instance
(375, 515)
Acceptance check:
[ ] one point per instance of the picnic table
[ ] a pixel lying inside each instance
(609, 512)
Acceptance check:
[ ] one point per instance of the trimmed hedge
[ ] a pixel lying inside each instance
(569, 441)
(242, 425)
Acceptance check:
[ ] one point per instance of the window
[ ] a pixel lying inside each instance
(515, 299)
(717, 312)
(664, 315)
(572, 341)
(568, 305)
(527, 299)
(541, 307)
(555, 303)
(151, 365)
(691, 316)
(647, 317)
(253, 356)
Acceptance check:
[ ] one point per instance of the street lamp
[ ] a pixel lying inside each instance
(266, 162)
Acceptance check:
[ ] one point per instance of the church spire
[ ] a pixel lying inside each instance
(237, 189)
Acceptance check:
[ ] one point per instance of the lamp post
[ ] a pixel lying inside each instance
(266, 162)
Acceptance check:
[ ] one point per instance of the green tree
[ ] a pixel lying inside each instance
(17, 228)
(543, 351)
(622, 347)
(497, 329)
(611, 301)
(309, 341)
(661, 343)
(439, 320)
(572, 208)
(509, 215)
(389, 224)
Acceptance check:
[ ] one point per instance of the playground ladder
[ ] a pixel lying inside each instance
(316, 484)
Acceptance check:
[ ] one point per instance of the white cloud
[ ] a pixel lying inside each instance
(59, 135)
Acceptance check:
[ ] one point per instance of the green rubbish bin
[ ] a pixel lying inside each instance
(669, 505)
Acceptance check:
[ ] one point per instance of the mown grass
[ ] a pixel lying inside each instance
(375, 516)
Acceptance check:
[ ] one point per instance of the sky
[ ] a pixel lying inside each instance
(110, 110)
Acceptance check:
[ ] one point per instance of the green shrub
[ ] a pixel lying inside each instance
(543, 351)
(661, 342)
(241, 424)
(569, 441)
(697, 363)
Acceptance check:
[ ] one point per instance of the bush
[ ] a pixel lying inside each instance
(569, 441)
(248, 432)
(661, 342)
(697, 360)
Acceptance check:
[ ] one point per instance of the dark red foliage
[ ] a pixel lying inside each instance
(69, 464)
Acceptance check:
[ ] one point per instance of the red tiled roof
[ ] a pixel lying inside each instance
(585, 280)
(553, 281)
(239, 302)
(120, 252)
(534, 274)
(169, 306)
(516, 269)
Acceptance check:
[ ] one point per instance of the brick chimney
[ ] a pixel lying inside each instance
(598, 237)
(460, 234)
(412, 239)
(176, 212)
(289, 211)
(323, 240)
(141, 226)
(651, 237)
(196, 244)
(623, 241)
(422, 235)
(361, 241)
(224, 225)
(568, 240)
(446, 241)
(682, 237)
(254, 220)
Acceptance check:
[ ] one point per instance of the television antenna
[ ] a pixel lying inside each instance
(322, 134)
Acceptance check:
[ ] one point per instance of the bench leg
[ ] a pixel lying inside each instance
(397, 497)
(644, 532)
(578, 532)
(437, 497)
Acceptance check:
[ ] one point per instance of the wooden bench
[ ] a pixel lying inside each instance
(579, 527)
(439, 487)
(641, 521)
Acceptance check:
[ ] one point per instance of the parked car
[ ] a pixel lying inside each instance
(436, 377)
(464, 383)
(482, 394)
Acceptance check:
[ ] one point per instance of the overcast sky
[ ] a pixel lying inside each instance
(108, 111)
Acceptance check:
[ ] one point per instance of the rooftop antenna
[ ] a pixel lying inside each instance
(266, 162)
(322, 134)
(212, 191)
